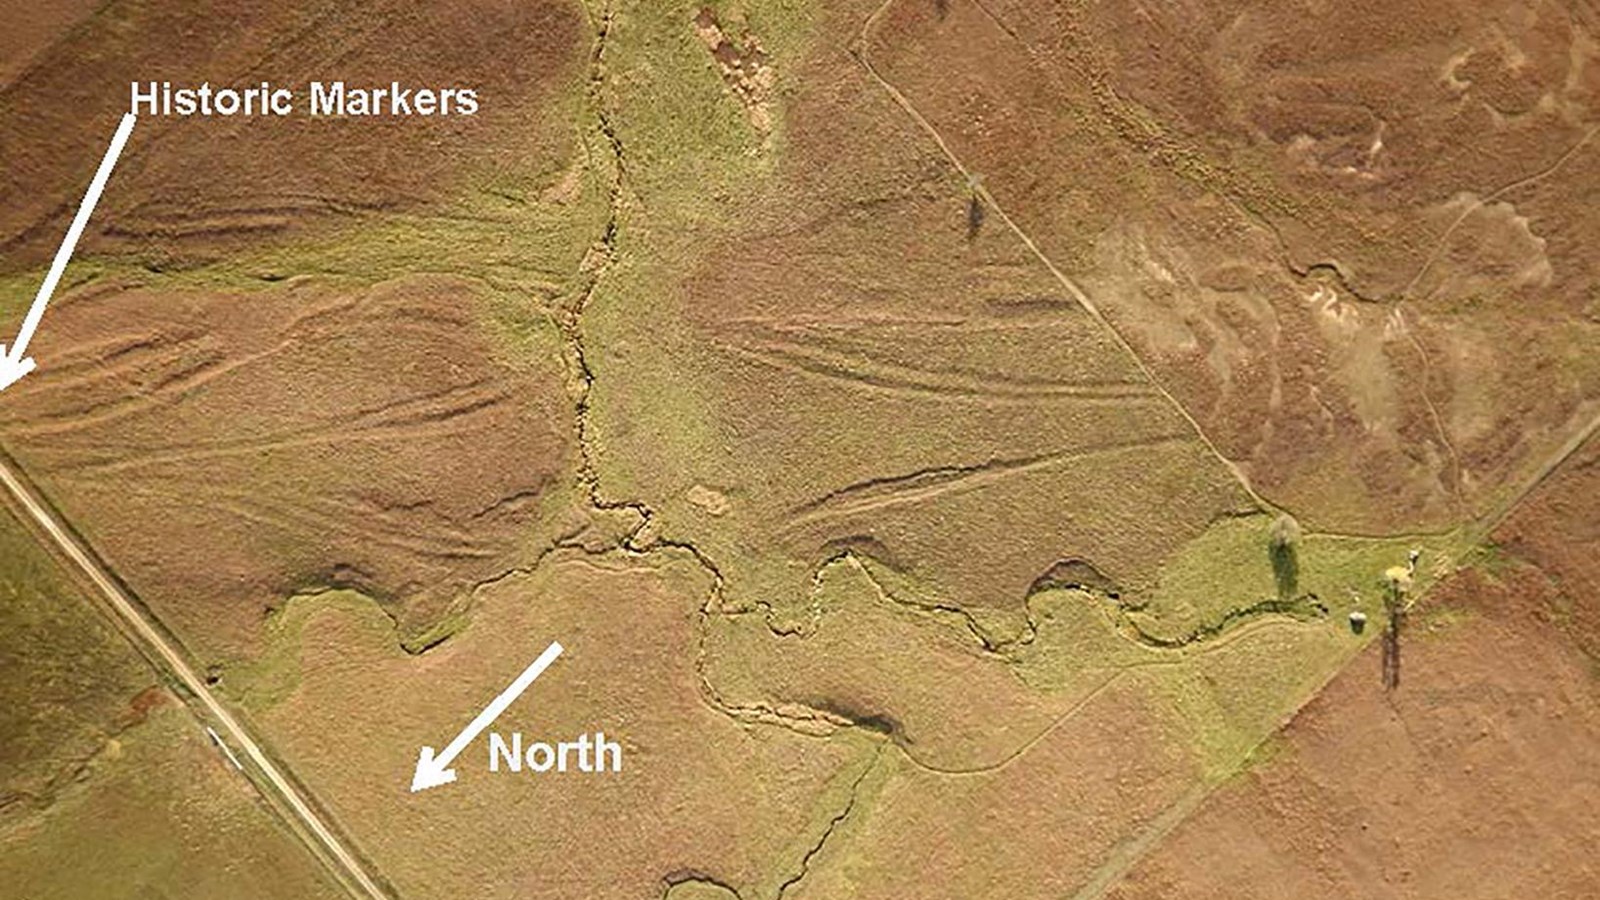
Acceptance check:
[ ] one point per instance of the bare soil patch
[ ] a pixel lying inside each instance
(1359, 269)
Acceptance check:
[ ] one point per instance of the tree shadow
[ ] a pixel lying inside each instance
(1285, 569)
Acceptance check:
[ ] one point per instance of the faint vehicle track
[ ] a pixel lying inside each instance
(305, 519)
(279, 789)
(928, 484)
(169, 390)
(1495, 195)
(1489, 522)
(1128, 853)
(859, 52)
(88, 364)
(861, 371)
(424, 415)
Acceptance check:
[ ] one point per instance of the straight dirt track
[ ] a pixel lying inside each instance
(268, 779)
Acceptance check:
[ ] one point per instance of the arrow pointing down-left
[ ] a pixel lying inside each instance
(15, 361)
(434, 770)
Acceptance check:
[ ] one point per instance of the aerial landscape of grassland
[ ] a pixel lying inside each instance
(1283, 236)
(107, 786)
(964, 449)
(632, 670)
(1499, 727)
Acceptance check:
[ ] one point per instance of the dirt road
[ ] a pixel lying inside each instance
(263, 773)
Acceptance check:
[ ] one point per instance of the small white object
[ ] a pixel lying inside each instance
(217, 739)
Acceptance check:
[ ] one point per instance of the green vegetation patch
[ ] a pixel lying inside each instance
(269, 679)
(163, 815)
(689, 156)
(1237, 566)
(1220, 702)
(70, 678)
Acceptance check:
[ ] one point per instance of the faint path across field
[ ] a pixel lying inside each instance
(279, 791)
(1476, 531)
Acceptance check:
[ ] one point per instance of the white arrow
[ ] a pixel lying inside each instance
(17, 363)
(433, 771)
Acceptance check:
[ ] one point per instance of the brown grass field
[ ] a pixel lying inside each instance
(1475, 779)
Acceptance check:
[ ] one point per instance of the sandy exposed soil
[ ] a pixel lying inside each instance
(1363, 277)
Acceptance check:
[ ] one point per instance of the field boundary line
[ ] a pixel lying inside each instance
(150, 637)
(1072, 287)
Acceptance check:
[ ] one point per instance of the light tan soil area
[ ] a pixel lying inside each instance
(1362, 271)
(108, 786)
